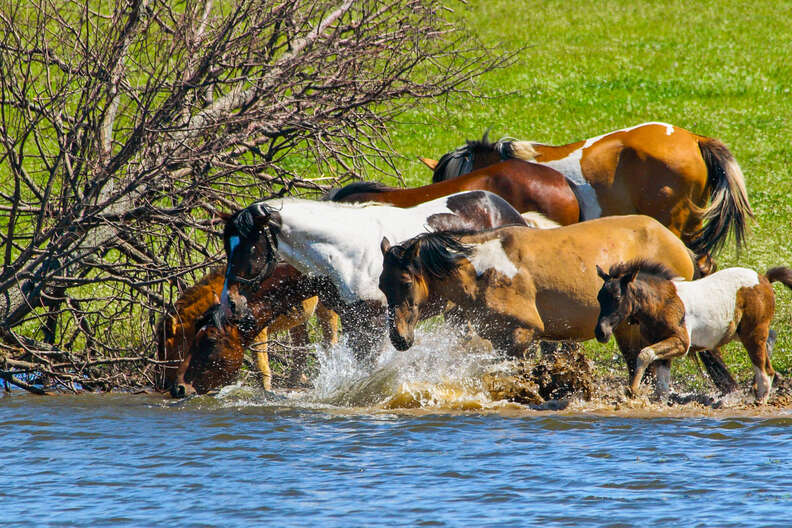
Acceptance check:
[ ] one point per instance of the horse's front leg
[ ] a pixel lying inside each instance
(666, 349)
(262, 359)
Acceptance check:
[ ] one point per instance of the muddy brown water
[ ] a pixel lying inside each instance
(419, 439)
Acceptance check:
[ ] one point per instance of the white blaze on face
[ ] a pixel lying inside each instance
(490, 255)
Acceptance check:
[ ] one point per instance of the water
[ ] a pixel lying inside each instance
(340, 456)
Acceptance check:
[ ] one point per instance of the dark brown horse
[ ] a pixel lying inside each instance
(526, 186)
(655, 169)
(177, 332)
(517, 284)
(677, 316)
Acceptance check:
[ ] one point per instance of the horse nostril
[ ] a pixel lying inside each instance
(178, 391)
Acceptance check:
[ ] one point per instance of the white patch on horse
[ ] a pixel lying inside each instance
(710, 303)
(490, 255)
(571, 169)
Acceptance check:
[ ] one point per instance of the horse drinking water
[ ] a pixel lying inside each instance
(676, 316)
(184, 334)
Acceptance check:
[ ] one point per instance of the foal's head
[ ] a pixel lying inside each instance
(619, 297)
(251, 245)
(406, 270)
(214, 358)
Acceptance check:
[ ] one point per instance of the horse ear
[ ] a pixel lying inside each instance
(629, 277)
(485, 137)
(604, 276)
(429, 162)
(385, 245)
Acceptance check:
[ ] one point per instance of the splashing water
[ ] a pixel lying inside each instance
(442, 369)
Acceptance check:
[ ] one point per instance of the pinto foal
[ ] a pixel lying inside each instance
(677, 316)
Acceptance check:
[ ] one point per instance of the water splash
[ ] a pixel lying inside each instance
(442, 369)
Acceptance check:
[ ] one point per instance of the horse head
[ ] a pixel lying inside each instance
(214, 358)
(251, 245)
(406, 272)
(614, 300)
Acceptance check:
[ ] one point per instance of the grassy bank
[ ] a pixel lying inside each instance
(590, 67)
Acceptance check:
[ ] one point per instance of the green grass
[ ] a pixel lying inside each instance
(718, 69)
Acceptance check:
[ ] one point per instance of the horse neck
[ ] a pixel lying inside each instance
(651, 297)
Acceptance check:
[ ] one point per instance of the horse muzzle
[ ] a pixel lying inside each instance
(182, 390)
(603, 332)
(400, 342)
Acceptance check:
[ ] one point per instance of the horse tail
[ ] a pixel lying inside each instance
(729, 209)
(780, 274)
(522, 150)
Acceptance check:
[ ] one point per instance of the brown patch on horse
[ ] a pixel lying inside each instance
(176, 331)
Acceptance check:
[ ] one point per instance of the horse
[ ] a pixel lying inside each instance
(338, 244)
(655, 169)
(216, 354)
(176, 332)
(677, 316)
(517, 284)
(526, 186)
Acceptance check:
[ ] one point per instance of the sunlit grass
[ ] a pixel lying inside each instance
(718, 69)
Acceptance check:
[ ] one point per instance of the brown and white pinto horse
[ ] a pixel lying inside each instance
(678, 316)
(526, 186)
(517, 284)
(338, 244)
(177, 332)
(655, 169)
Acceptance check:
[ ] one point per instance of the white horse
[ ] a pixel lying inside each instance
(339, 245)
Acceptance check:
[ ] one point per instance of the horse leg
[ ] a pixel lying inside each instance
(262, 359)
(299, 341)
(754, 339)
(718, 371)
(364, 324)
(328, 322)
(662, 350)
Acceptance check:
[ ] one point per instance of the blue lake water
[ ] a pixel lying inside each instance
(338, 456)
(129, 460)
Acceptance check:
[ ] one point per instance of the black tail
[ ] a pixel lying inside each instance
(780, 274)
(729, 209)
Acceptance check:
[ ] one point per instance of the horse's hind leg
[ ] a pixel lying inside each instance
(754, 339)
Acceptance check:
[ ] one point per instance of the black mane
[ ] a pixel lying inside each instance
(644, 266)
(460, 161)
(437, 254)
(336, 195)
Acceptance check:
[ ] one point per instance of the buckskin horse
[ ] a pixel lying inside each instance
(526, 186)
(517, 284)
(338, 245)
(178, 331)
(678, 316)
(655, 169)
